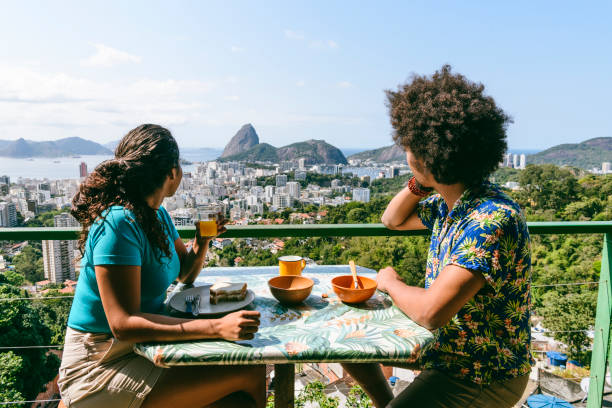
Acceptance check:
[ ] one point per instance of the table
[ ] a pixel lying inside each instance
(322, 329)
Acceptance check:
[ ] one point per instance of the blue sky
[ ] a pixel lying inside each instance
(294, 70)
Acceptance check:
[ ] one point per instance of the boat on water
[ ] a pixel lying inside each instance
(56, 161)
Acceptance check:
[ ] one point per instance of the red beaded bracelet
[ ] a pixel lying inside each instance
(417, 189)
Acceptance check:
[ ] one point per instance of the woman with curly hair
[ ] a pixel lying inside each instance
(131, 254)
(477, 284)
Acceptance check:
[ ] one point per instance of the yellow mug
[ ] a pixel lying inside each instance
(291, 265)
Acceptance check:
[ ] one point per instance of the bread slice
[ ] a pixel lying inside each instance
(227, 292)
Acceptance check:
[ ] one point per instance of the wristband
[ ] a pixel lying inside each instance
(417, 189)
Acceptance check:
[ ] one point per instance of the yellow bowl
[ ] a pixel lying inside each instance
(290, 288)
(344, 287)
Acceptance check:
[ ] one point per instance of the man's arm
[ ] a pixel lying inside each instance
(434, 307)
(401, 212)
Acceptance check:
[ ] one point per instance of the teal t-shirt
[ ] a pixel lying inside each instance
(118, 239)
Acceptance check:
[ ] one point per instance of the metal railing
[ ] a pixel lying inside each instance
(602, 344)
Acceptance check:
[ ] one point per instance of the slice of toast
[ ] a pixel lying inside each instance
(227, 292)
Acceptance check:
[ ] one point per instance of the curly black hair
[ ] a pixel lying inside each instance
(143, 160)
(448, 123)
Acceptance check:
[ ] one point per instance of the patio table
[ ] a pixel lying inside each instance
(321, 329)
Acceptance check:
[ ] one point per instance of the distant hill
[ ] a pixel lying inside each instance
(243, 140)
(262, 152)
(245, 146)
(21, 148)
(386, 154)
(585, 155)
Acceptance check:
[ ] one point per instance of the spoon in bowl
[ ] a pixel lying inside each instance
(356, 282)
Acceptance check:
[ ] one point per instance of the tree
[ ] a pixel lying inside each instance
(23, 372)
(54, 313)
(29, 264)
(547, 187)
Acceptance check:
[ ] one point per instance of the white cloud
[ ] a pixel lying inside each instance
(300, 83)
(106, 56)
(323, 45)
(235, 48)
(32, 99)
(232, 98)
(345, 84)
(294, 35)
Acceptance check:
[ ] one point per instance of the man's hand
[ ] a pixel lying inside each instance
(386, 277)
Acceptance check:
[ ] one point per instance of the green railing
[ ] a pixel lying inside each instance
(602, 345)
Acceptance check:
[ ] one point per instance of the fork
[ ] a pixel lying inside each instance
(196, 306)
(188, 303)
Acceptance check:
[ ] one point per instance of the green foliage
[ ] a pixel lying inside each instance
(29, 264)
(43, 220)
(314, 393)
(357, 398)
(547, 187)
(26, 370)
(54, 313)
(505, 174)
(389, 185)
(12, 376)
(12, 278)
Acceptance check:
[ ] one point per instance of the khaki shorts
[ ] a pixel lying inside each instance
(97, 370)
(435, 389)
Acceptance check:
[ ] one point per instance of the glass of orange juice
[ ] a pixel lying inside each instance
(208, 221)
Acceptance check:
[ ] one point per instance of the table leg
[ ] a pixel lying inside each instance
(284, 385)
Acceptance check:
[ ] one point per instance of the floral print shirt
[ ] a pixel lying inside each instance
(489, 339)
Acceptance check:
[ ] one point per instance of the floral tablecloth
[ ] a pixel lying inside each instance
(322, 329)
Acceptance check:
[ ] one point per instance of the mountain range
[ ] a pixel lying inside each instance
(245, 146)
(22, 148)
(386, 154)
(585, 155)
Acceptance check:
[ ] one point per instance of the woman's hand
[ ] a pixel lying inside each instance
(241, 325)
(200, 244)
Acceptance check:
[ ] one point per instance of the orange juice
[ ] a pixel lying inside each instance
(291, 265)
(208, 228)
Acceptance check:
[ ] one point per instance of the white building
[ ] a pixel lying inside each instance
(523, 162)
(302, 164)
(269, 193)
(361, 195)
(293, 188)
(281, 180)
(515, 161)
(58, 256)
(8, 214)
(606, 167)
(281, 201)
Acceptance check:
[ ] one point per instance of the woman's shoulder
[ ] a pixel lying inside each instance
(117, 216)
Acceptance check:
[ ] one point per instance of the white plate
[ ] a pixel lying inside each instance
(178, 301)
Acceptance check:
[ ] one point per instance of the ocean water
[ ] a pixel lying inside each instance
(56, 168)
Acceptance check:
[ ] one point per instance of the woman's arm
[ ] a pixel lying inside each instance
(192, 261)
(119, 287)
(401, 212)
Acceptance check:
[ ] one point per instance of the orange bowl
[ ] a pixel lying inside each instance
(344, 288)
(290, 288)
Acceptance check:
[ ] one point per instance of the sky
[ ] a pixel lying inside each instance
(295, 70)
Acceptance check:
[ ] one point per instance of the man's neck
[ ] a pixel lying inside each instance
(450, 193)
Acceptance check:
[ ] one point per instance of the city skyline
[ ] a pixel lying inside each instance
(295, 71)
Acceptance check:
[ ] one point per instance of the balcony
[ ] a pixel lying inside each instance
(602, 344)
